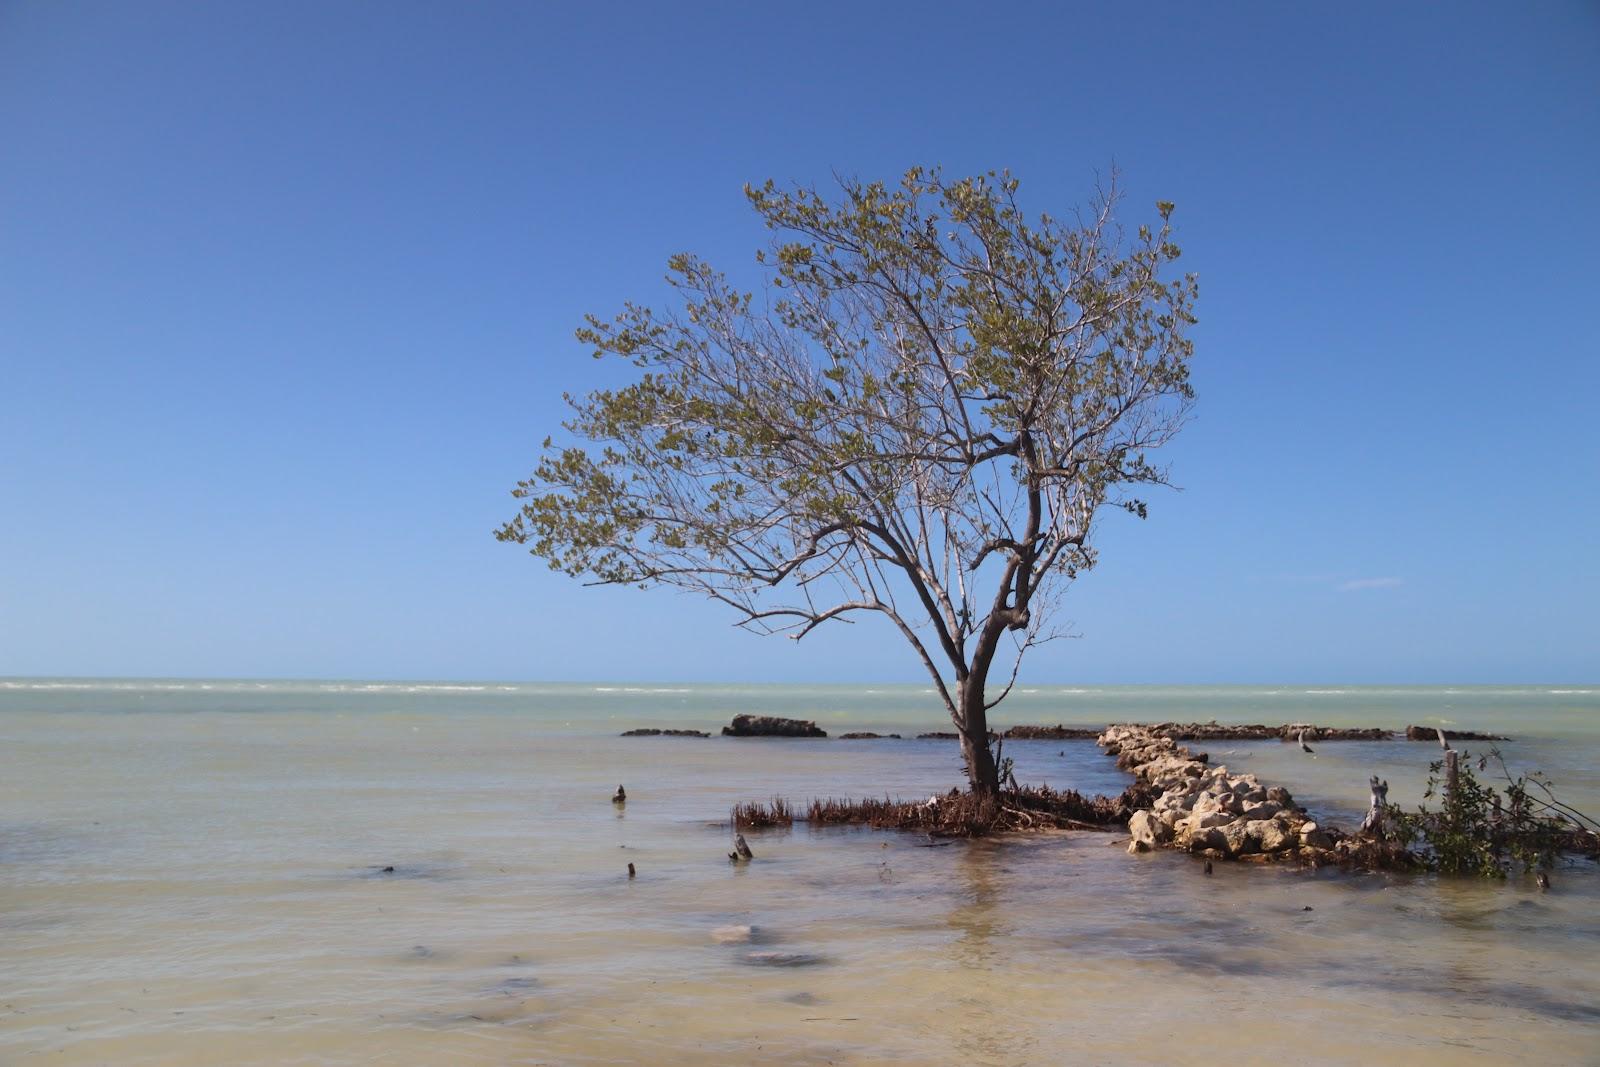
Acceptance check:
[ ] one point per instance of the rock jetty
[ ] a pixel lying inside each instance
(868, 735)
(1203, 809)
(1291, 731)
(653, 732)
(1430, 733)
(771, 726)
(1050, 733)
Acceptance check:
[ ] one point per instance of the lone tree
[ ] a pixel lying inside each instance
(919, 417)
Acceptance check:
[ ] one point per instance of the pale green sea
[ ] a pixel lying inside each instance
(190, 873)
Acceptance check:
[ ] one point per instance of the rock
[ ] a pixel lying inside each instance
(1264, 810)
(1274, 836)
(771, 726)
(732, 935)
(1148, 831)
(867, 735)
(1317, 839)
(1198, 839)
(1239, 838)
(1280, 796)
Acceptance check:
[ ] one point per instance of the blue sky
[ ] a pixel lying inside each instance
(287, 293)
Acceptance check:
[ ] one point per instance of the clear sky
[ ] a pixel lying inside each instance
(287, 293)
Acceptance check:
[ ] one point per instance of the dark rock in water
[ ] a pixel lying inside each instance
(512, 986)
(390, 872)
(867, 735)
(771, 726)
(1428, 733)
(782, 959)
(653, 732)
(1050, 733)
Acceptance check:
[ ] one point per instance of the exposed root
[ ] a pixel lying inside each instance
(958, 814)
(754, 815)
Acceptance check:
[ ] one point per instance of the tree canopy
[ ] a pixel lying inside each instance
(918, 416)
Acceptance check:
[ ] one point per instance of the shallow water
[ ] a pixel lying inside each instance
(194, 875)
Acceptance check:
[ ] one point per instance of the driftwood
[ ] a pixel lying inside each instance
(1373, 823)
(1452, 772)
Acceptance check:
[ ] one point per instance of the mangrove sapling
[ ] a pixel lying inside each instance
(1478, 830)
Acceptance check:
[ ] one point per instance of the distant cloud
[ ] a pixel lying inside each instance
(1370, 583)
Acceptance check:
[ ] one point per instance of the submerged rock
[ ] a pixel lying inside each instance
(771, 726)
(782, 959)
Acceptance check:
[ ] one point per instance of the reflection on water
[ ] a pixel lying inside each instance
(447, 884)
(977, 916)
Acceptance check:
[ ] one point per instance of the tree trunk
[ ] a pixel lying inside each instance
(982, 773)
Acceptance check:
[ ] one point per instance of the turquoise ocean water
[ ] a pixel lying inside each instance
(193, 872)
